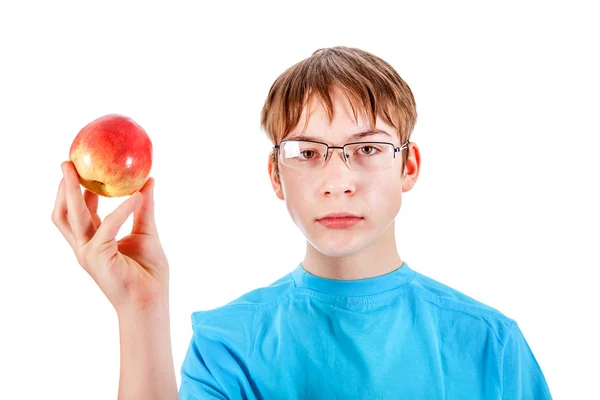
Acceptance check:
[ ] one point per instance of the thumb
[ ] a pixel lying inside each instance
(143, 217)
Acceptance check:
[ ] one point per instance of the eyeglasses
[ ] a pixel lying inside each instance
(359, 156)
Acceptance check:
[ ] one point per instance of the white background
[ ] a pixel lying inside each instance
(505, 209)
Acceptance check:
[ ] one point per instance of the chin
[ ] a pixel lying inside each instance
(337, 253)
(341, 246)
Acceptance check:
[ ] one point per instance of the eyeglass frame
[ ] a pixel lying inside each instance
(346, 156)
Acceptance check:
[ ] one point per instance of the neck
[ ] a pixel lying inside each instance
(378, 258)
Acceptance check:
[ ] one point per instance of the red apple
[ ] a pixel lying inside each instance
(112, 155)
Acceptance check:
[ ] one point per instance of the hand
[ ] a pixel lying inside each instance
(132, 272)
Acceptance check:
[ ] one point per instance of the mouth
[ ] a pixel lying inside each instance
(340, 222)
(339, 215)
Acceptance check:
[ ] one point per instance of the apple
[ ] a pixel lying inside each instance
(112, 156)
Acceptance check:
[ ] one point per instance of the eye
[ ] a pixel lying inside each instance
(370, 150)
(311, 154)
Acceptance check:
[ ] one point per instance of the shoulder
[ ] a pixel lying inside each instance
(459, 306)
(248, 304)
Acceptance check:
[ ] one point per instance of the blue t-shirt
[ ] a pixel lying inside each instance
(397, 336)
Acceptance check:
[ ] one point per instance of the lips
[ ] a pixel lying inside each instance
(339, 215)
(339, 220)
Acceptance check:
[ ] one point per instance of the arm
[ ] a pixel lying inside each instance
(133, 273)
(147, 370)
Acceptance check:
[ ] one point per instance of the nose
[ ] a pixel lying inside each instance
(336, 175)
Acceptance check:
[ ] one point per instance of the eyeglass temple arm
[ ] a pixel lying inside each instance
(397, 149)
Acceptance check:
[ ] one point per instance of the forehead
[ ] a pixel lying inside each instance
(317, 124)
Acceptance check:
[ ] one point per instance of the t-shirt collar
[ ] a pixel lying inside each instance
(356, 287)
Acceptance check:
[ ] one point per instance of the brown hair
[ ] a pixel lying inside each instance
(364, 78)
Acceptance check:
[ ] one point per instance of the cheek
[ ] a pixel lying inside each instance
(384, 197)
(293, 187)
(299, 197)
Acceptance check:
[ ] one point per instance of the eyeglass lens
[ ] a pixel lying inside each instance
(366, 156)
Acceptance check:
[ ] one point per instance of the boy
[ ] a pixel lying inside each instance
(352, 320)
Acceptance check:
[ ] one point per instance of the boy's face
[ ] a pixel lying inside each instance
(374, 196)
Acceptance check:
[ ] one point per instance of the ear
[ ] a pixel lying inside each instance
(274, 176)
(412, 168)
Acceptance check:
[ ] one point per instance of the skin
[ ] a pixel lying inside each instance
(367, 249)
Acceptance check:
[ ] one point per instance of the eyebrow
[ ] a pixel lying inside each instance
(352, 137)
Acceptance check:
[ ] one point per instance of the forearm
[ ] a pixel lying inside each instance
(147, 370)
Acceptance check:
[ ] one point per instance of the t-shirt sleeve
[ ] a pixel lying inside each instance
(197, 381)
(214, 366)
(522, 377)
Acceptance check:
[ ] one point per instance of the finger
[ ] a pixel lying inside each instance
(59, 215)
(109, 228)
(143, 217)
(79, 216)
(91, 201)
